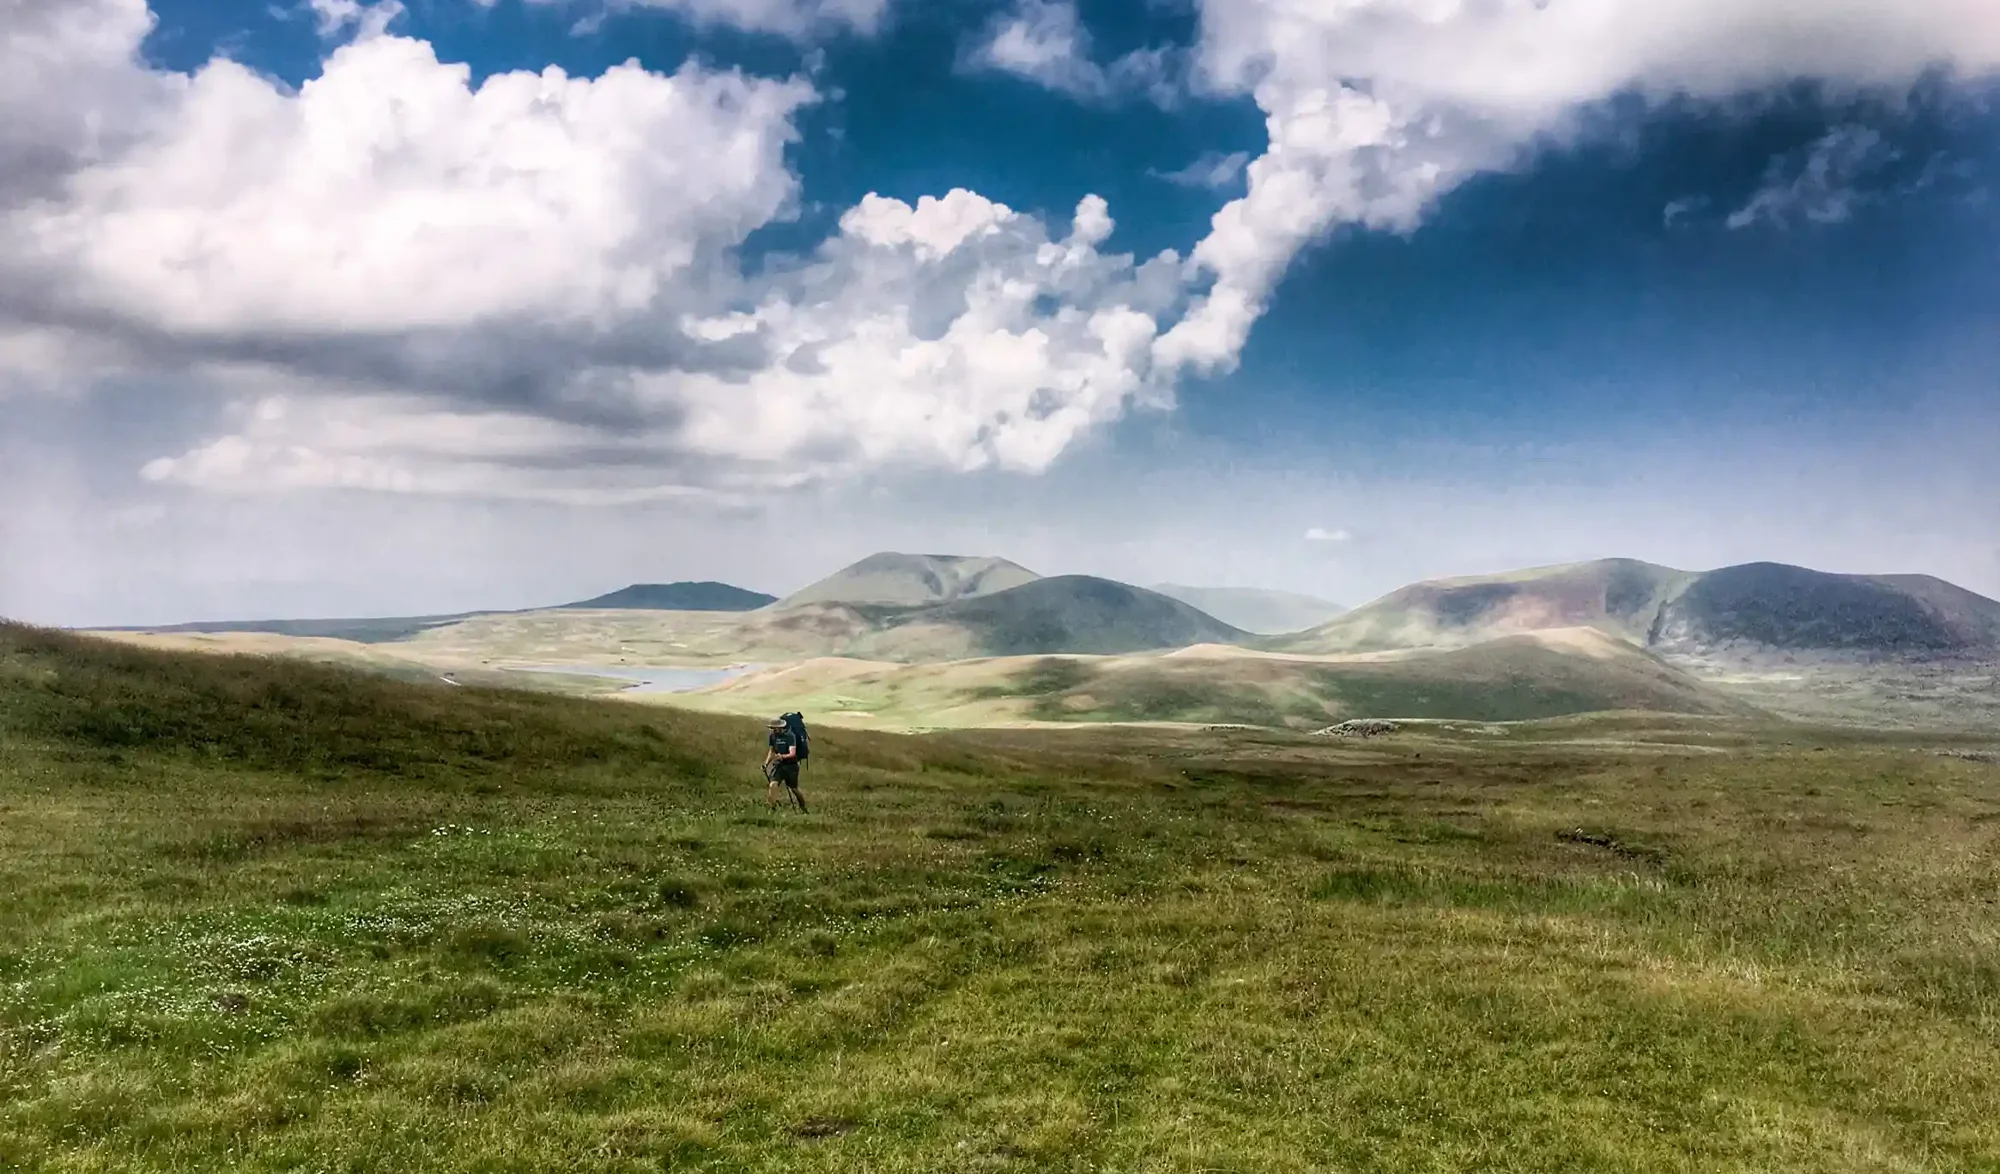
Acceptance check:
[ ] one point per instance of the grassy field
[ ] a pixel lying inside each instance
(1962, 695)
(278, 916)
(1522, 679)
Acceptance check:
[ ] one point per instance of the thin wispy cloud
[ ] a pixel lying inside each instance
(335, 17)
(1823, 184)
(1045, 41)
(1212, 169)
(1683, 210)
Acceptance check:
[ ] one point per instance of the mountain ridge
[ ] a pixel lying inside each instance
(1760, 606)
(702, 595)
(895, 579)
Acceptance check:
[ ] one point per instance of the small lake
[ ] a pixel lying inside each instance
(645, 678)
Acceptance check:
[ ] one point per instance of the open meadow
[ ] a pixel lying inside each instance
(271, 915)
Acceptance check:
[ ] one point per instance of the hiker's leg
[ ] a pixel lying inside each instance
(788, 774)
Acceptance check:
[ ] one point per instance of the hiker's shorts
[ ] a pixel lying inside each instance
(786, 773)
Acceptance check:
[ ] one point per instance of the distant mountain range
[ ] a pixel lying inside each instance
(1680, 631)
(913, 608)
(1066, 613)
(928, 607)
(1752, 609)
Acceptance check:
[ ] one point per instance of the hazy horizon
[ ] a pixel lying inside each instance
(331, 309)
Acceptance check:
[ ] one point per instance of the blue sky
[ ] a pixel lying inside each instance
(1693, 306)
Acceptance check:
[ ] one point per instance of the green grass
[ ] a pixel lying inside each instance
(1183, 697)
(1054, 686)
(1047, 676)
(271, 916)
(1511, 699)
(1505, 684)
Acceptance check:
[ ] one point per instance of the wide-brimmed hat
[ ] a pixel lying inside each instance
(776, 723)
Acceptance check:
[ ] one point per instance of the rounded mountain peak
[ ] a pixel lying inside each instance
(894, 579)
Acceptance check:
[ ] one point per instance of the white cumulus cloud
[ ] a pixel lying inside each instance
(335, 17)
(935, 227)
(792, 18)
(954, 334)
(1374, 109)
(69, 89)
(407, 281)
(390, 194)
(1045, 41)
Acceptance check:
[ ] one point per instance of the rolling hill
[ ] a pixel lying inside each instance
(1742, 609)
(1266, 613)
(702, 596)
(1783, 608)
(890, 579)
(1059, 614)
(1548, 674)
(1062, 613)
(1617, 596)
(363, 630)
(927, 607)
(705, 596)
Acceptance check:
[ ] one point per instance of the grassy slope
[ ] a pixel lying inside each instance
(391, 660)
(372, 630)
(273, 916)
(1059, 614)
(1619, 596)
(605, 637)
(1765, 604)
(1519, 679)
(1787, 607)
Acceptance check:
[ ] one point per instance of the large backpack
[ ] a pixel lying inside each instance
(796, 723)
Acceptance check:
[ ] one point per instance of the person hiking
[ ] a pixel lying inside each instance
(781, 763)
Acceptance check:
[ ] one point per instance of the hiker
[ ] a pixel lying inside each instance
(781, 761)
